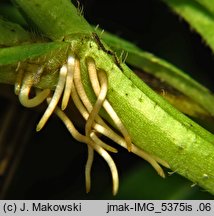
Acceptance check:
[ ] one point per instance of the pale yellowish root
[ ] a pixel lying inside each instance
(69, 82)
(88, 168)
(84, 112)
(162, 162)
(106, 130)
(93, 112)
(100, 99)
(80, 92)
(55, 99)
(79, 87)
(100, 151)
(82, 95)
(119, 140)
(96, 87)
(99, 142)
(85, 115)
(24, 90)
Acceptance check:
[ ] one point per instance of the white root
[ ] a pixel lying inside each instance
(85, 115)
(96, 87)
(88, 166)
(83, 110)
(24, 90)
(89, 107)
(108, 132)
(97, 106)
(81, 138)
(126, 142)
(79, 87)
(55, 99)
(69, 82)
(70, 86)
(99, 142)
(120, 141)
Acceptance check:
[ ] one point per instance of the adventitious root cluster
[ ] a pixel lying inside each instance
(70, 87)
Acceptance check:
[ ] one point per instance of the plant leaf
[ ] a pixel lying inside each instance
(142, 183)
(12, 34)
(58, 27)
(10, 13)
(197, 16)
(207, 4)
(40, 52)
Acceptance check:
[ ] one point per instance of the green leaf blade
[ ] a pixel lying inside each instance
(197, 16)
(11, 34)
(56, 27)
(207, 4)
(29, 54)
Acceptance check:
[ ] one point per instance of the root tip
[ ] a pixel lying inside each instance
(87, 190)
(162, 174)
(38, 128)
(128, 143)
(114, 192)
(63, 107)
(129, 148)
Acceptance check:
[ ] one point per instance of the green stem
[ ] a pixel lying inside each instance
(155, 125)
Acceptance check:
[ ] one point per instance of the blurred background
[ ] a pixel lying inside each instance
(50, 164)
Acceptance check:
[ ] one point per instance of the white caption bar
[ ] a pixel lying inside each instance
(107, 207)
